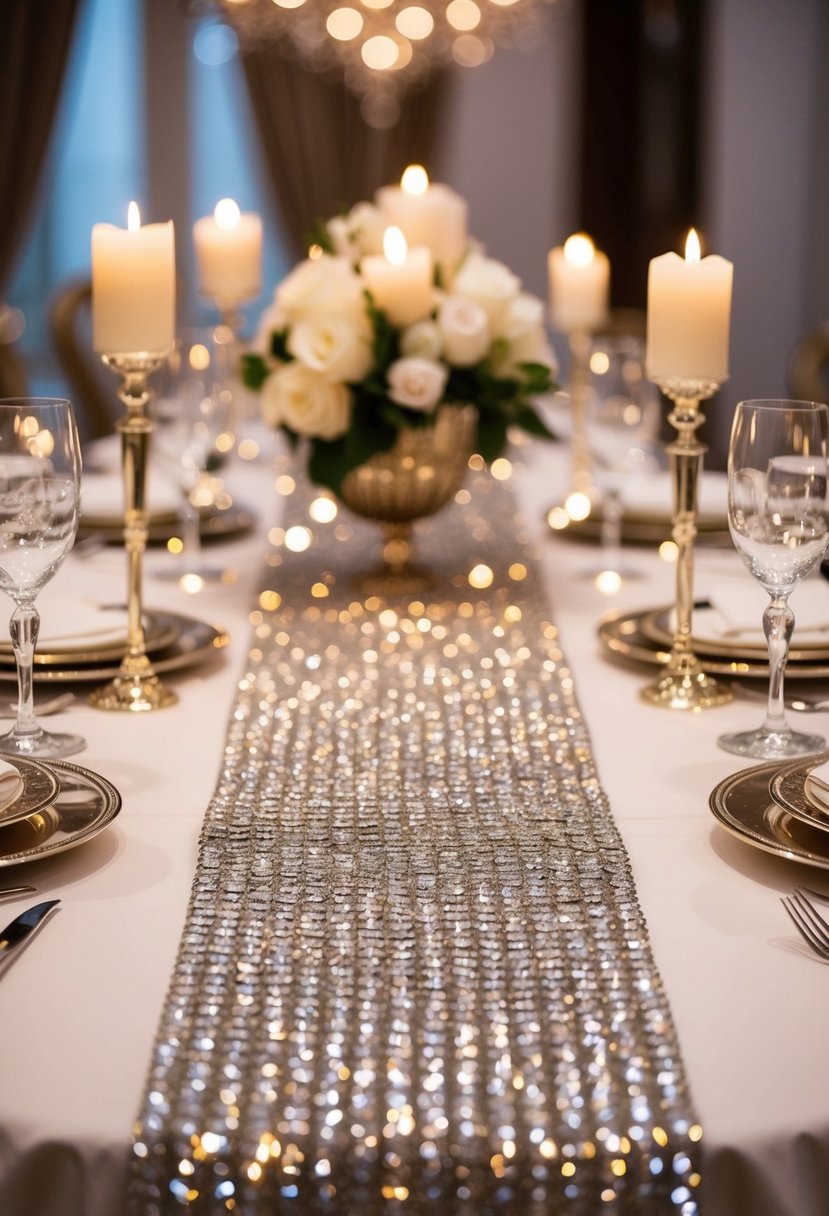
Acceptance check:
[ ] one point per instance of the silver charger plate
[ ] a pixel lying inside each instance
(193, 641)
(86, 803)
(743, 804)
(40, 787)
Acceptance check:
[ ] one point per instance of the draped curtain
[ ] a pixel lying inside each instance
(322, 157)
(34, 46)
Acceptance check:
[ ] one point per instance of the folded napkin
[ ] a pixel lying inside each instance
(737, 606)
(652, 494)
(816, 786)
(75, 623)
(102, 495)
(11, 785)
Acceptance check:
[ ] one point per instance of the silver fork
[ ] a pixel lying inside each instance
(804, 705)
(52, 706)
(812, 927)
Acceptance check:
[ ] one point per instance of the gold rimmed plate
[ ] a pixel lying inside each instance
(743, 805)
(85, 804)
(214, 523)
(158, 633)
(624, 635)
(643, 528)
(656, 625)
(788, 788)
(194, 641)
(40, 788)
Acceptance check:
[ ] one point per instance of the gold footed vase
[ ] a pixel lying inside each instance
(419, 474)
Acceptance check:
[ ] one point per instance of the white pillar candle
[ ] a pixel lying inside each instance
(400, 282)
(229, 253)
(689, 313)
(429, 214)
(133, 287)
(579, 285)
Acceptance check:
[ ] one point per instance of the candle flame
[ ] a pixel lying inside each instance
(579, 250)
(693, 253)
(415, 180)
(226, 213)
(133, 218)
(394, 246)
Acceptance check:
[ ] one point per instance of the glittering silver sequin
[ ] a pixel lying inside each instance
(414, 976)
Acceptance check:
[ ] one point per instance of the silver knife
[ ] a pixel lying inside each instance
(16, 934)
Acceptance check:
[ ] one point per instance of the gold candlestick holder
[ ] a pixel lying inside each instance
(136, 688)
(685, 685)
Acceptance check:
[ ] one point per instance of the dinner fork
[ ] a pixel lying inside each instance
(805, 705)
(53, 706)
(811, 926)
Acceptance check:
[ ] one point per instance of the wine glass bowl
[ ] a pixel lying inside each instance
(778, 516)
(40, 468)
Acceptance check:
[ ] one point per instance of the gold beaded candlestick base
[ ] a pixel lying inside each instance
(685, 685)
(136, 688)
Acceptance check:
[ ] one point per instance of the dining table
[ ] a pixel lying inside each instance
(88, 1009)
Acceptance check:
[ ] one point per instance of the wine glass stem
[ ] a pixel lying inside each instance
(778, 623)
(191, 536)
(23, 629)
(611, 536)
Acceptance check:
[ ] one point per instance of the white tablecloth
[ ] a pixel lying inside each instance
(78, 1009)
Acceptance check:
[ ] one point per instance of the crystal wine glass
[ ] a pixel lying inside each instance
(191, 415)
(623, 420)
(40, 470)
(778, 515)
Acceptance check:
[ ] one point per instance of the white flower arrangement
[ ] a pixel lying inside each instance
(336, 366)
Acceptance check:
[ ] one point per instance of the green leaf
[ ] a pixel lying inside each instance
(385, 345)
(279, 345)
(529, 421)
(326, 464)
(254, 371)
(492, 435)
(369, 433)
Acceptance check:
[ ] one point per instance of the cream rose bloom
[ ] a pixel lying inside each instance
(527, 337)
(423, 339)
(358, 233)
(417, 383)
(317, 286)
(300, 399)
(464, 328)
(337, 347)
(488, 283)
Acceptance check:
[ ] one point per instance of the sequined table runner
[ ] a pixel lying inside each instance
(414, 976)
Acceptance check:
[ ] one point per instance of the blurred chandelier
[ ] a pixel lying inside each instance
(380, 46)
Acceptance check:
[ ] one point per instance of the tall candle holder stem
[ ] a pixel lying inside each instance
(136, 688)
(685, 685)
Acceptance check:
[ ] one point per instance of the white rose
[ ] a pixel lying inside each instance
(300, 399)
(417, 383)
(464, 327)
(358, 233)
(488, 283)
(525, 332)
(423, 338)
(320, 285)
(337, 347)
